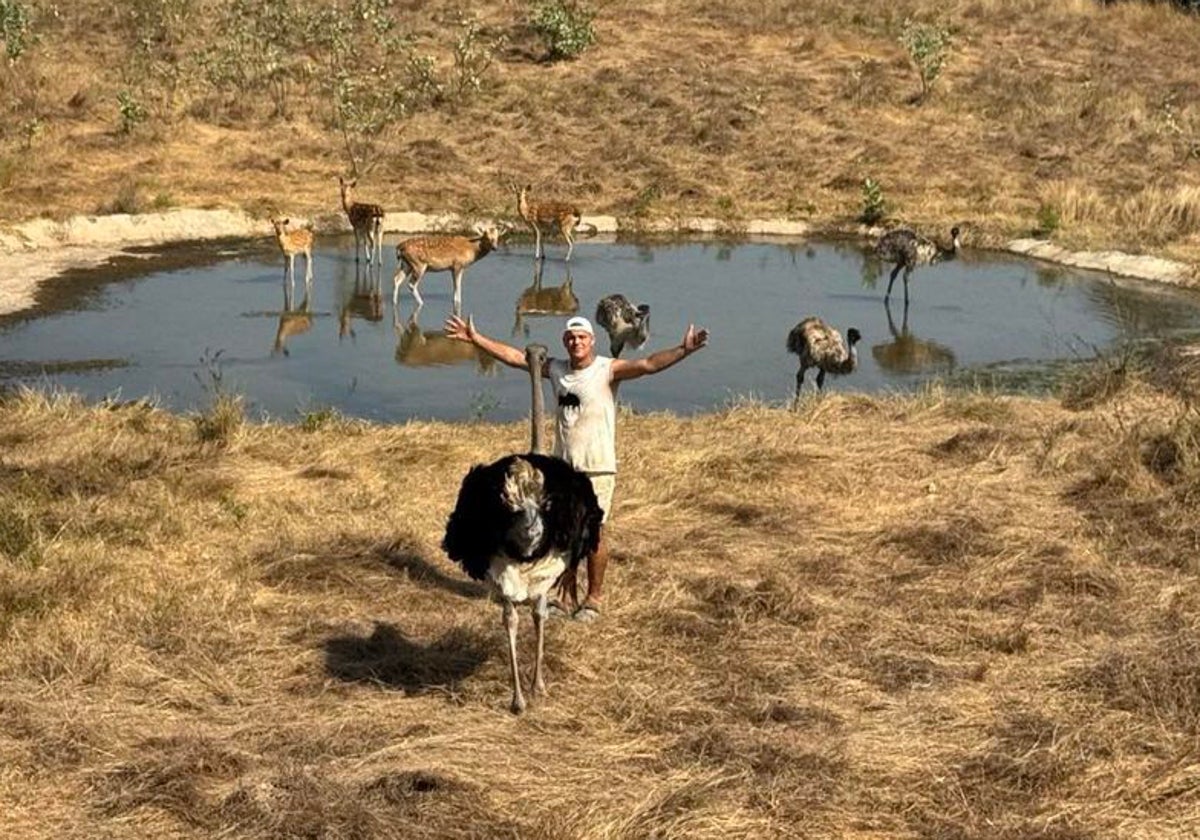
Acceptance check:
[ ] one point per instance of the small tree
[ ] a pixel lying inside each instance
(928, 46)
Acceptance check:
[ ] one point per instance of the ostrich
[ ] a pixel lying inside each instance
(519, 524)
(624, 322)
(908, 250)
(819, 345)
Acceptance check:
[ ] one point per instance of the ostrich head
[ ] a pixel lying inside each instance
(522, 496)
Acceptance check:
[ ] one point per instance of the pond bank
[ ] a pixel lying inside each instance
(35, 251)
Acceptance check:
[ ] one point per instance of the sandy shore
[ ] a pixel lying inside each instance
(36, 251)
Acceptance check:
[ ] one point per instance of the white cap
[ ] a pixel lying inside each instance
(578, 324)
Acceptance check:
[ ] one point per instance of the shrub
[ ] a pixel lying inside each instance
(874, 207)
(133, 113)
(15, 28)
(928, 46)
(565, 26)
(1049, 219)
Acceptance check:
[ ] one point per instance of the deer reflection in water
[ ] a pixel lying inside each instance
(544, 300)
(906, 353)
(293, 320)
(423, 348)
(362, 298)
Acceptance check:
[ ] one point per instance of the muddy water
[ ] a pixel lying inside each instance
(180, 324)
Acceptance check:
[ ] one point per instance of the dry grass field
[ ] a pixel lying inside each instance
(943, 616)
(1075, 117)
(950, 616)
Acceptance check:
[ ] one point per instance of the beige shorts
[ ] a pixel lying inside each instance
(604, 484)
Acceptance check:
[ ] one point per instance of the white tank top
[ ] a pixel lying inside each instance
(585, 419)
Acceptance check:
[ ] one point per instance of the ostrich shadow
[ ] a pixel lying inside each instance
(387, 657)
(423, 573)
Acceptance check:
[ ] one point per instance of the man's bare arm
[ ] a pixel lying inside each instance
(693, 340)
(461, 330)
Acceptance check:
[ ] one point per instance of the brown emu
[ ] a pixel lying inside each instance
(908, 249)
(820, 345)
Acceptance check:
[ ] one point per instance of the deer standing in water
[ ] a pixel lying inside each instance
(367, 221)
(548, 214)
(440, 253)
(292, 243)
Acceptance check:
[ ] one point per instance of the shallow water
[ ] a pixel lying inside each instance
(179, 325)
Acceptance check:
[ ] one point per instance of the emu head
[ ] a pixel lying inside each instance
(522, 496)
(853, 336)
(641, 325)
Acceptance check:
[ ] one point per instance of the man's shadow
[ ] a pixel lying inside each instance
(389, 658)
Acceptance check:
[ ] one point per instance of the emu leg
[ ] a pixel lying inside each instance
(907, 272)
(510, 625)
(800, 380)
(541, 611)
(821, 379)
(892, 280)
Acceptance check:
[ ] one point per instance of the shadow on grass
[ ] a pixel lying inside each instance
(389, 658)
(407, 557)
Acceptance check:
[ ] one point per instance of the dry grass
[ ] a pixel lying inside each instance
(946, 616)
(732, 110)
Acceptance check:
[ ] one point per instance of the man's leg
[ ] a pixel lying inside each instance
(596, 565)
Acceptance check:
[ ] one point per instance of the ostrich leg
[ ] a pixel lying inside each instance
(541, 611)
(510, 624)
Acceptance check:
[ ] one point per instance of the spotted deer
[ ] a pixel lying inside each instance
(548, 214)
(367, 221)
(440, 253)
(294, 242)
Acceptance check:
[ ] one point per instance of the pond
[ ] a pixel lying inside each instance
(178, 325)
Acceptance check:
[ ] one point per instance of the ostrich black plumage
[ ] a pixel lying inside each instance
(820, 345)
(907, 250)
(521, 522)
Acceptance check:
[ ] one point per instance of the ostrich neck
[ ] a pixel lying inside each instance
(537, 413)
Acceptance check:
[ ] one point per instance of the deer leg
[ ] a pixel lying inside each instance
(511, 619)
(397, 280)
(308, 267)
(414, 281)
(458, 273)
(566, 232)
(541, 611)
(537, 243)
